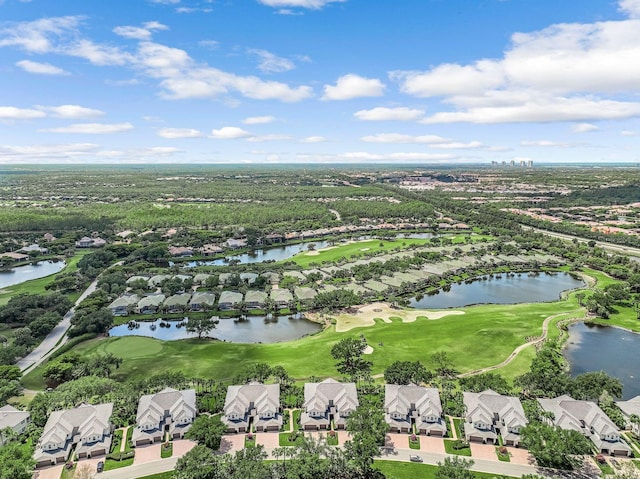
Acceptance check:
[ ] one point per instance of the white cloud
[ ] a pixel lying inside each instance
(458, 145)
(172, 133)
(313, 139)
(543, 110)
(353, 86)
(400, 138)
(546, 144)
(13, 113)
(565, 72)
(389, 114)
(310, 4)
(179, 76)
(451, 79)
(71, 111)
(583, 128)
(272, 137)
(139, 33)
(91, 128)
(230, 133)
(193, 10)
(628, 133)
(34, 36)
(271, 63)
(401, 156)
(182, 78)
(41, 68)
(257, 120)
(17, 154)
(165, 2)
(212, 44)
(630, 8)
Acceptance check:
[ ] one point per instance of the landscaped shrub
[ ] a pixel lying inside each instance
(458, 444)
(503, 450)
(121, 456)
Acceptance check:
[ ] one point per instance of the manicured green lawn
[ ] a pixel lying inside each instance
(485, 335)
(448, 447)
(110, 464)
(414, 444)
(351, 250)
(284, 439)
(162, 475)
(409, 470)
(166, 451)
(37, 286)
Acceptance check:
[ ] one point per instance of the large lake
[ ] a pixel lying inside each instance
(601, 348)
(505, 289)
(20, 274)
(255, 329)
(280, 253)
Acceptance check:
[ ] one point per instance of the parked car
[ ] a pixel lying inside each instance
(414, 458)
(100, 467)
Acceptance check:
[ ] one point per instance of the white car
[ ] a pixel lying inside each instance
(414, 458)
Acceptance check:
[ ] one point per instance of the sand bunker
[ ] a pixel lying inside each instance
(367, 315)
(368, 350)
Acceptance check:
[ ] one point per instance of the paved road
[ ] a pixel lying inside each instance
(58, 335)
(56, 338)
(615, 248)
(432, 458)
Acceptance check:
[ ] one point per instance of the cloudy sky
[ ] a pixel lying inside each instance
(335, 81)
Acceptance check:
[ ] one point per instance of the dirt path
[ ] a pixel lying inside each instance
(336, 214)
(514, 354)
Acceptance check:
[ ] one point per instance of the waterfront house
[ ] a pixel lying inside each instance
(176, 303)
(123, 305)
(255, 299)
(281, 297)
(588, 419)
(229, 300)
(202, 301)
(151, 304)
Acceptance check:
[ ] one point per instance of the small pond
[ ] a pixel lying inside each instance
(602, 348)
(501, 289)
(20, 274)
(255, 329)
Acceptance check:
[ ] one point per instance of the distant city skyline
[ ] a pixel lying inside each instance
(320, 81)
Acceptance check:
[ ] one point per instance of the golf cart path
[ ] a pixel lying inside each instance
(514, 354)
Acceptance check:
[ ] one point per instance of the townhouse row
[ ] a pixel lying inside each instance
(255, 407)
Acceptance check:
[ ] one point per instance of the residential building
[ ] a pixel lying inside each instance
(169, 411)
(123, 305)
(177, 303)
(229, 300)
(86, 242)
(201, 278)
(202, 300)
(151, 304)
(87, 428)
(180, 251)
(409, 405)
(34, 248)
(305, 295)
(281, 297)
(248, 278)
(631, 410)
(253, 407)
(210, 250)
(488, 414)
(255, 299)
(588, 419)
(236, 243)
(12, 418)
(158, 279)
(328, 402)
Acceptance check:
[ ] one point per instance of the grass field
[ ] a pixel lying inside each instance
(353, 250)
(37, 286)
(485, 335)
(409, 470)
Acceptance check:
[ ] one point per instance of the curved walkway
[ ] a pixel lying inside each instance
(336, 214)
(514, 354)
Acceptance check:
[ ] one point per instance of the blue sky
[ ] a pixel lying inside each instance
(321, 81)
